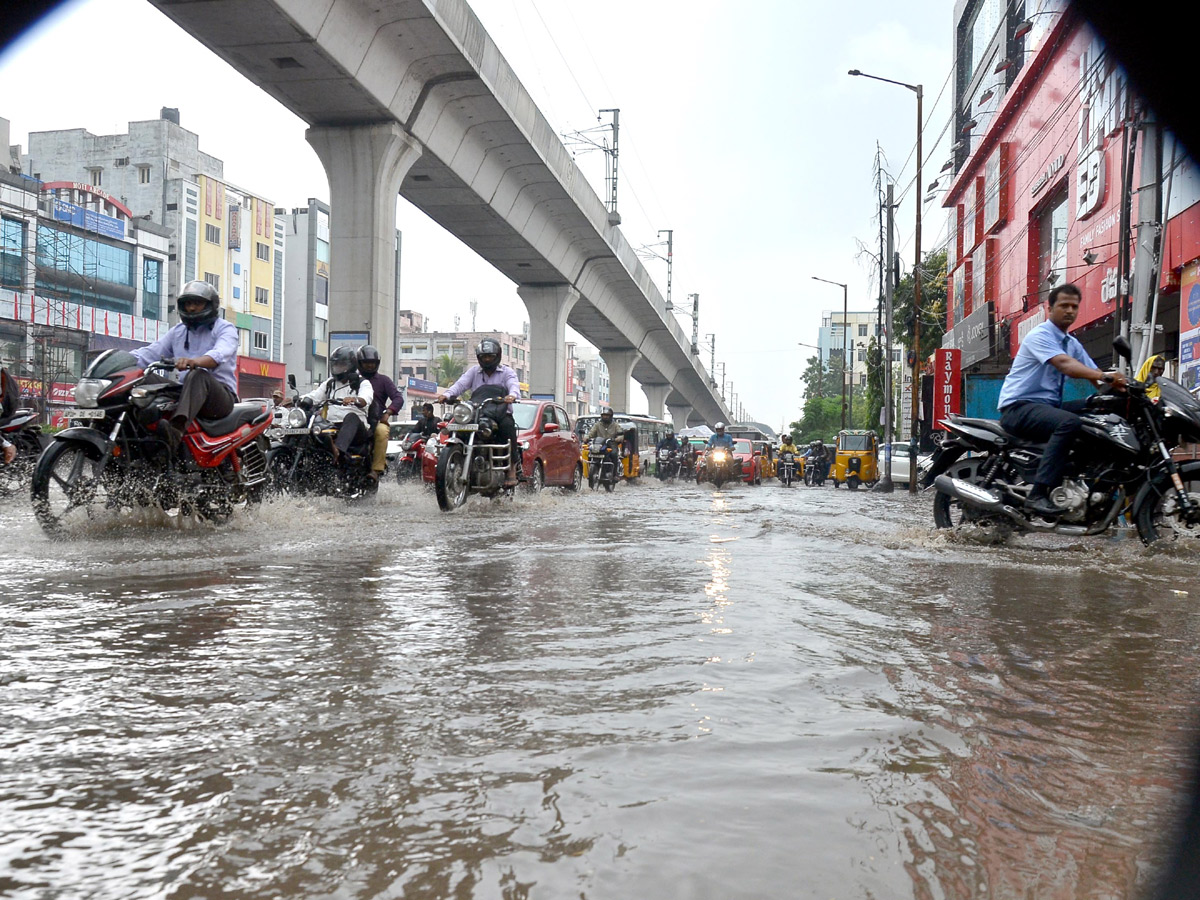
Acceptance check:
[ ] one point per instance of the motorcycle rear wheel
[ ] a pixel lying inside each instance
(64, 481)
(1159, 518)
(451, 483)
(949, 511)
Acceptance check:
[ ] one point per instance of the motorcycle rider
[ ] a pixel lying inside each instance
(204, 347)
(817, 456)
(787, 445)
(349, 397)
(490, 371)
(427, 422)
(669, 442)
(383, 389)
(1031, 398)
(720, 438)
(9, 397)
(606, 429)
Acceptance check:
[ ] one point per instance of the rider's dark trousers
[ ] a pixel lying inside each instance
(203, 396)
(1043, 422)
(350, 431)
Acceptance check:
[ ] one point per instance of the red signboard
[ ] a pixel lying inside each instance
(947, 387)
(60, 392)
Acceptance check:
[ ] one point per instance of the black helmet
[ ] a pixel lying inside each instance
(607, 413)
(199, 290)
(342, 363)
(368, 360)
(488, 354)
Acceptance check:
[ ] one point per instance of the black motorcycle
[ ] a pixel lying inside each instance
(475, 459)
(718, 466)
(24, 433)
(785, 470)
(667, 464)
(604, 464)
(303, 462)
(816, 470)
(1120, 461)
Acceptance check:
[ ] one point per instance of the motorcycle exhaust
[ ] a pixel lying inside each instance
(974, 495)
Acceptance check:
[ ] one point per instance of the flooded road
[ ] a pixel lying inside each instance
(663, 692)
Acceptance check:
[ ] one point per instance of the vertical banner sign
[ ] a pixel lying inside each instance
(569, 394)
(904, 411)
(947, 393)
(1189, 326)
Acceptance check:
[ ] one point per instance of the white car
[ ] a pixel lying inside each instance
(396, 435)
(900, 464)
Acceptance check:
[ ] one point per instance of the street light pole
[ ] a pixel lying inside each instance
(845, 338)
(919, 90)
(820, 367)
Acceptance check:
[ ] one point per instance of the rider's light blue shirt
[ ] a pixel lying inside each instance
(1031, 376)
(721, 440)
(219, 341)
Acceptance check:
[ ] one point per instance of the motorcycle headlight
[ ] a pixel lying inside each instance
(463, 413)
(296, 418)
(719, 456)
(88, 391)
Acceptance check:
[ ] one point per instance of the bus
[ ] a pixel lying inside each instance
(647, 433)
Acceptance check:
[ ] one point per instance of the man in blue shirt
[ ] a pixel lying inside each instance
(204, 347)
(720, 438)
(1031, 399)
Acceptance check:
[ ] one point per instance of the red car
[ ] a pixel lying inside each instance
(549, 447)
(743, 450)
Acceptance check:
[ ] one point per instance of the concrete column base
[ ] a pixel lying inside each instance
(656, 396)
(365, 165)
(620, 370)
(548, 307)
(679, 415)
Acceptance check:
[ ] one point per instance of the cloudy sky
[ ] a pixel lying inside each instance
(740, 130)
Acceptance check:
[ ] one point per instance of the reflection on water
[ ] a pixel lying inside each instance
(666, 691)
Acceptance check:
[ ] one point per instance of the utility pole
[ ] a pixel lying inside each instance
(474, 310)
(614, 217)
(670, 233)
(712, 356)
(915, 437)
(886, 485)
(696, 324)
(1149, 230)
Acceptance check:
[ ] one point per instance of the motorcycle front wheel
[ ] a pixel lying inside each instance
(64, 480)
(1160, 517)
(451, 481)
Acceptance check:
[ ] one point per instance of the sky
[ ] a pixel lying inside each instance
(740, 130)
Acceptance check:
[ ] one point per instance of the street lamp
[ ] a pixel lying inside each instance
(845, 339)
(919, 90)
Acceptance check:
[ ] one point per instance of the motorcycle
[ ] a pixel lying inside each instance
(719, 466)
(786, 470)
(815, 472)
(119, 458)
(23, 432)
(1120, 461)
(667, 464)
(303, 462)
(474, 459)
(409, 463)
(604, 464)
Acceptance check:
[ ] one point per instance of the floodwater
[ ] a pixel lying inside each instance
(664, 692)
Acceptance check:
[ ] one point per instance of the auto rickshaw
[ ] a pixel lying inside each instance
(856, 459)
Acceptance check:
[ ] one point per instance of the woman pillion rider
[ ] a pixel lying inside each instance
(490, 371)
(349, 397)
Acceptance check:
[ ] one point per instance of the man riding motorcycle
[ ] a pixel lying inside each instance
(204, 347)
(384, 390)
(817, 456)
(490, 371)
(720, 438)
(349, 397)
(787, 445)
(427, 422)
(669, 442)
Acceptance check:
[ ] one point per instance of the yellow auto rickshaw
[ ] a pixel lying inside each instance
(766, 453)
(631, 463)
(856, 459)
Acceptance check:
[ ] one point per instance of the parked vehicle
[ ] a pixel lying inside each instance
(114, 454)
(900, 464)
(473, 458)
(23, 431)
(787, 467)
(856, 459)
(1120, 460)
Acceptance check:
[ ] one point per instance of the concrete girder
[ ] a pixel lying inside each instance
(365, 165)
(620, 370)
(548, 307)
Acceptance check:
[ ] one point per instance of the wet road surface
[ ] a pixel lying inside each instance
(664, 692)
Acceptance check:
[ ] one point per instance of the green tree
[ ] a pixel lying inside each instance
(448, 368)
(933, 305)
(822, 380)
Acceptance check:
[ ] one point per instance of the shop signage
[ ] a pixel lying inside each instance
(1189, 326)
(1031, 323)
(972, 337)
(60, 392)
(947, 391)
(1056, 166)
(420, 384)
(89, 219)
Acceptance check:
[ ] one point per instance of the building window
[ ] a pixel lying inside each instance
(260, 340)
(96, 177)
(322, 251)
(151, 288)
(12, 253)
(319, 329)
(262, 251)
(262, 295)
(321, 290)
(1051, 235)
(119, 163)
(143, 174)
(212, 233)
(214, 280)
(862, 330)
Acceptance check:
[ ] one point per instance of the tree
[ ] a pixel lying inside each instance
(933, 305)
(448, 368)
(822, 380)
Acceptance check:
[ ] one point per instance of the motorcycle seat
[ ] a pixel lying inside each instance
(249, 413)
(993, 426)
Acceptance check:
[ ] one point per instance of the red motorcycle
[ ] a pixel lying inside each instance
(24, 433)
(115, 454)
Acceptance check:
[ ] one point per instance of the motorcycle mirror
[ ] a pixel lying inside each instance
(292, 382)
(1121, 345)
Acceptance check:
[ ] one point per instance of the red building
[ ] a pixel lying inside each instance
(1045, 123)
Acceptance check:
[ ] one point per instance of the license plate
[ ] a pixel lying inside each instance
(288, 431)
(462, 427)
(83, 413)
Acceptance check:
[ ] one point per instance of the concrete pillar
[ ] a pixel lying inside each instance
(679, 415)
(365, 165)
(620, 370)
(548, 306)
(656, 395)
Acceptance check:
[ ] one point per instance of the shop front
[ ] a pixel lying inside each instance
(259, 377)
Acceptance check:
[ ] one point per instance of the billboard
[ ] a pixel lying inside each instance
(947, 387)
(89, 219)
(972, 336)
(1189, 326)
